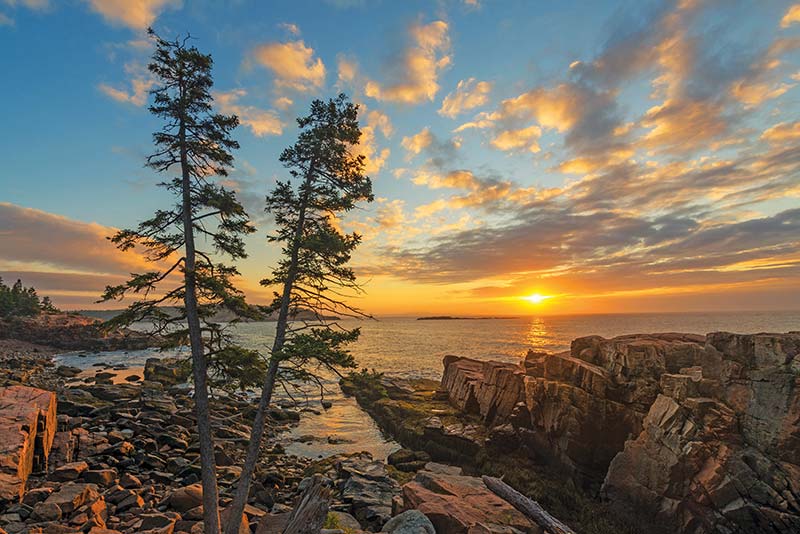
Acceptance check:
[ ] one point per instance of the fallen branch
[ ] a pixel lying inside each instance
(528, 507)
(311, 510)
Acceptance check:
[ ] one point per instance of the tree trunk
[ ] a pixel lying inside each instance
(530, 508)
(199, 366)
(259, 422)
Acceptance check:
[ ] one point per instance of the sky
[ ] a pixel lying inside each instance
(527, 157)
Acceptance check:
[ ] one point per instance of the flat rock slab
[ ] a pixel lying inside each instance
(456, 504)
(27, 428)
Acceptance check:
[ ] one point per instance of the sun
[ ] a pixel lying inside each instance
(536, 298)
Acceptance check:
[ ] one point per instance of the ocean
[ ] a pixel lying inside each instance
(406, 347)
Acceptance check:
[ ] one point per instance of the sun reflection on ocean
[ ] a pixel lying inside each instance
(538, 334)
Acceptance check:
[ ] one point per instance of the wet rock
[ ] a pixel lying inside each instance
(410, 522)
(67, 371)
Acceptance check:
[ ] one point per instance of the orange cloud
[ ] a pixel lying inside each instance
(785, 131)
(469, 94)
(48, 242)
(367, 146)
(418, 142)
(792, 16)
(136, 14)
(140, 81)
(416, 78)
(527, 138)
(293, 64)
(261, 122)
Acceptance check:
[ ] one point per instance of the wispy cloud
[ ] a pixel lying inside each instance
(469, 94)
(415, 77)
(260, 121)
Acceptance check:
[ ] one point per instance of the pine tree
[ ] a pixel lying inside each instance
(196, 143)
(313, 274)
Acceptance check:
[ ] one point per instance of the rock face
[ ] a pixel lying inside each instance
(578, 407)
(701, 433)
(458, 504)
(720, 447)
(27, 428)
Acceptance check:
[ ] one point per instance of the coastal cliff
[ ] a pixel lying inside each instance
(698, 433)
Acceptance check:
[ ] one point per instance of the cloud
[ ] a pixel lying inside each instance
(415, 75)
(525, 138)
(136, 14)
(140, 81)
(293, 29)
(376, 121)
(785, 131)
(792, 16)
(5, 20)
(283, 103)
(418, 142)
(53, 243)
(261, 122)
(140, 89)
(293, 64)
(469, 94)
(347, 70)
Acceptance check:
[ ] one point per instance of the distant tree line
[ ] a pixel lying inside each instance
(20, 301)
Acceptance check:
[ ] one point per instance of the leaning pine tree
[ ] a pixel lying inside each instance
(195, 143)
(312, 275)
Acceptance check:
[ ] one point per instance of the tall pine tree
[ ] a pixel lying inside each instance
(195, 144)
(312, 274)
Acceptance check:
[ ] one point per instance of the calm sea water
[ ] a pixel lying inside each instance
(402, 346)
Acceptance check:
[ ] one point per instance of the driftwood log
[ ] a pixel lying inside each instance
(530, 508)
(311, 510)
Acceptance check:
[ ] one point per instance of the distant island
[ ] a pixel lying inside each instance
(453, 318)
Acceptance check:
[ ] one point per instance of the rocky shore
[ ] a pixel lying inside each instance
(72, 332)
(645, 433)
(657, 433)
(89, 453)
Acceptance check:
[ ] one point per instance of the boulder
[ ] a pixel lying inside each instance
(456, 504)
(27, 428)
(185, 498)
(44, 511)
(167, 371)
(70, 471)
(409, 522)
(368, 489)
(72, 495)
